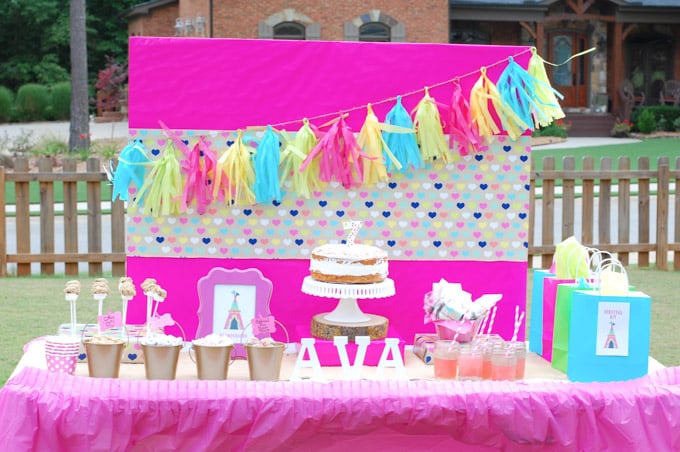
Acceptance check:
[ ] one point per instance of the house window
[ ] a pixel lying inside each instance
(289, 24)
(374, 26)
(649, 63)
(289, 30)
(374, 32)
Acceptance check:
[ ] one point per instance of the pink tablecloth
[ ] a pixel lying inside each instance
(46, 411)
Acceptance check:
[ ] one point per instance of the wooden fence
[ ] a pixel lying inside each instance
(555, 201)
(624, 200)
(21, 177)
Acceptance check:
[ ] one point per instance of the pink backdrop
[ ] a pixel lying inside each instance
(223, 84)
(293, 308)
(229, 84)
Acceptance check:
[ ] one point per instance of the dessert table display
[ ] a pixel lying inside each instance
(44, 410)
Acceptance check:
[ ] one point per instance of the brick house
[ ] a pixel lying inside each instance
(637, 42)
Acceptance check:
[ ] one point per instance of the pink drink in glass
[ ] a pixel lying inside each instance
(470, 363)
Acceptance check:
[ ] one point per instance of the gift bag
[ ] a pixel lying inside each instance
(560, 345)
(536, 321)
(609, 329)
(570, 263)
(608, 336)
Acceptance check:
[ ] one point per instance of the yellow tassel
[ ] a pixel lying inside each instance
(544, 93)
(163, 187)
(236, 166)
(371, 141)
(483, 91)
(429, 131)
(295, 151)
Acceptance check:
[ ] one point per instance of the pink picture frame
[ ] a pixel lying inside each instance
(229, 301)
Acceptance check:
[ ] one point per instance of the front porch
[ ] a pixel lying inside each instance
(589, 124)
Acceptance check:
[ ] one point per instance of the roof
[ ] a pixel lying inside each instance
(143, 9)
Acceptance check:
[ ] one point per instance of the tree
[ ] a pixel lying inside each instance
(79, 132)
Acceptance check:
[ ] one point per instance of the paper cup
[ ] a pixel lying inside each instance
(61, 354)
(63, 364)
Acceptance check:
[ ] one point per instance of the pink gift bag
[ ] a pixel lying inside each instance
(550, 284)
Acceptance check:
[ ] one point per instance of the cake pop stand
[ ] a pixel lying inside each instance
(347, 319)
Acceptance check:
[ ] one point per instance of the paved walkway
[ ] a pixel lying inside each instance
(60, 130)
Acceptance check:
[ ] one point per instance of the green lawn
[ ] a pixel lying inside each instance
(651, 148)
(34, 192)
(35, 306)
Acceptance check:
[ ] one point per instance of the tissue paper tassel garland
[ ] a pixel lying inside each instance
(199, 169)
(404, 145)
(295, 151)
(131, 168)
(483, 93)
(235, 175)
(371, 141)
(429, 130)
(267, 161)
(162, 189)
(462, 135)
(341, 158)
(545, 94)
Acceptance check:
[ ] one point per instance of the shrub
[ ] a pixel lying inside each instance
(668, 112)
(110, 85)
(676, 125)
(61, 100)
(32, 102)
(622, 129)
(646, 122)
(557, 128)
(6, 104)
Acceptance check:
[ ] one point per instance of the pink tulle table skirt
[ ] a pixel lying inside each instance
(40, 410)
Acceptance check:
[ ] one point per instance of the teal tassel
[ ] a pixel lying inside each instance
(266, 162)
(517, 90)
(404, 146)
(131, 168)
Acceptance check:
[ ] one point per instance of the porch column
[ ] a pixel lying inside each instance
(616, 65)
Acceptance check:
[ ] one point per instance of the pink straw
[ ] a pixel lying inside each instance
(493, 318)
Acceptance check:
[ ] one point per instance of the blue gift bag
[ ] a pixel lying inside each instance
(608, 336)
(536, 322)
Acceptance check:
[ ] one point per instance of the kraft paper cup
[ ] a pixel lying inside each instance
(264, 362)
(160, 361)
(212, 361)
(103, 360)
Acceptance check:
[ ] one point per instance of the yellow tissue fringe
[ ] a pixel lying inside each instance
(544, 94)
(371, 141)
(429, 133)
(294, 153)
(483, 91)
(237, 165)
(163, 187)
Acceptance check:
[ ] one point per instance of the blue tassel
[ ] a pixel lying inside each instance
(520, 90)
(404, 146)
(131, 168)
(267, 161)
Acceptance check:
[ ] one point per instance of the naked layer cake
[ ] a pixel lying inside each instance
(348, 264)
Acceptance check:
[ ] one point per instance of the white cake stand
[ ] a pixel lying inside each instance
(347, 310)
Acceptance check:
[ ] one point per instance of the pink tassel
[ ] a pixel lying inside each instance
(462, 132)
(199, 169)
(340, 156)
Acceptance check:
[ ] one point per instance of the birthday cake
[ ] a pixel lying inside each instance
(348, 264)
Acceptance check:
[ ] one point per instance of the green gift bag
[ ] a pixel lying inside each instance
(560, 346)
